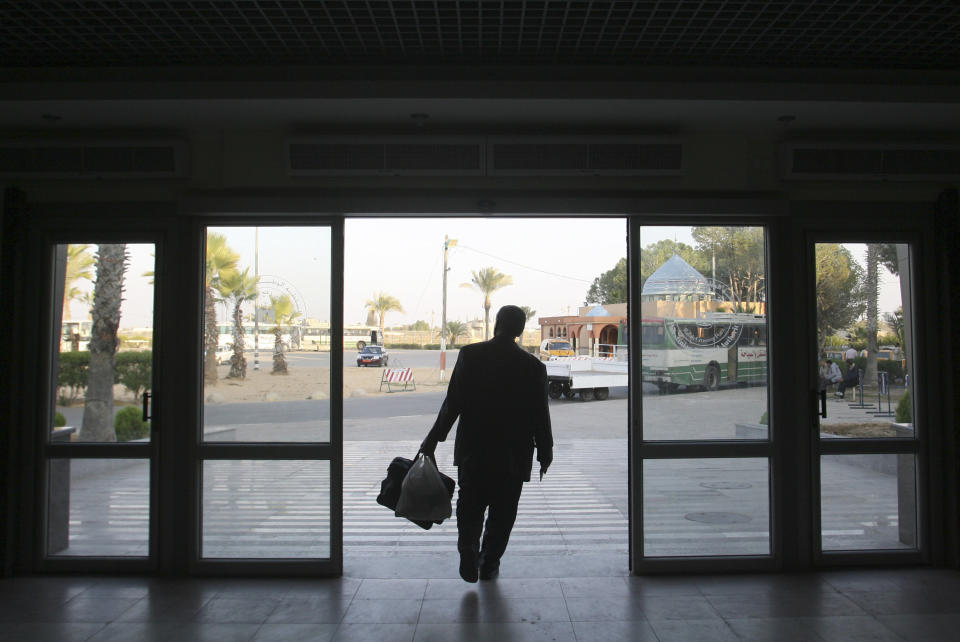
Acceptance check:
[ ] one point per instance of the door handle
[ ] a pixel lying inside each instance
(823, 403)
(146, 406)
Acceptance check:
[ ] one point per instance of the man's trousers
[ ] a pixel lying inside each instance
(481, 490)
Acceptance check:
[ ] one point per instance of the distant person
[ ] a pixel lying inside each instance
(850, 354)
(849, 380)
(829, 374)
(824, 373)
(499, 392)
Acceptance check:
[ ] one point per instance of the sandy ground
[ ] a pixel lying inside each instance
(309, 383)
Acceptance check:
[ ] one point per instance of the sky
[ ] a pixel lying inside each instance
(552, 263)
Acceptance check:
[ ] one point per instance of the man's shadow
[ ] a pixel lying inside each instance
(485, 603)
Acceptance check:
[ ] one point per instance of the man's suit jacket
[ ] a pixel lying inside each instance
(499, 392)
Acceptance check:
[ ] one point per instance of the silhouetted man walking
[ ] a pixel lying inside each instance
(499, 392)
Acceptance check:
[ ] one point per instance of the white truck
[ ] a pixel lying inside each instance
(589, 377)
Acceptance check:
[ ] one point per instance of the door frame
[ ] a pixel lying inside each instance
(881, 223)
(48, 226)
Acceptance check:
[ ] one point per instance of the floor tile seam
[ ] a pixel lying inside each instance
(713, 607)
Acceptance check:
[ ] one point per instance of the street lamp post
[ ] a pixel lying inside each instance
(256, 298)
(447, 244)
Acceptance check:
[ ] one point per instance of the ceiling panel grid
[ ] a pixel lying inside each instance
(880, 34)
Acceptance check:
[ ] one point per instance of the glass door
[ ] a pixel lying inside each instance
(702, 436)
(269, 449)
(867, 439)
(101, 423)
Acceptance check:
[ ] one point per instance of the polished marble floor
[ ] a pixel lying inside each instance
(522, 605)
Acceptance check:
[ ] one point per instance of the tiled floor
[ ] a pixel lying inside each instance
(910, 604)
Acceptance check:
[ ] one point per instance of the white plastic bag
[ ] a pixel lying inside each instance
(423, 495)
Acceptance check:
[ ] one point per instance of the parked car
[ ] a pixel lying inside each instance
(224, 355)
(373, 356)
(555, 348)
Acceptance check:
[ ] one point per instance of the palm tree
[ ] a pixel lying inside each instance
(220, 262)
(381, 303)
(487, 281)
(79, 266)
(97, 423)
(238, 287)
(527, 310)
(873, 292)
(456, 329)
(283, 314)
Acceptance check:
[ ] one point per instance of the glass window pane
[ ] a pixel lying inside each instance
(864, 326)
(267, 334)
(706, 507)
(266, 509)
(98, 507)
(103, 351)
(868, 502)
(704, 333)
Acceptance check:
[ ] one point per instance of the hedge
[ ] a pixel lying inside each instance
(133, 370)
(72, 376)
(894, 368)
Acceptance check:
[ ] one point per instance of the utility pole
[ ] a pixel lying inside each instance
(447, 244)
(256, 298)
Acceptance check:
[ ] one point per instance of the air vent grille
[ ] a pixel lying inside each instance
(572, 158)
(63, 160)
(870, 162)
(393, 157)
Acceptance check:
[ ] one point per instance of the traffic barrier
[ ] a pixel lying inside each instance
(399, 377)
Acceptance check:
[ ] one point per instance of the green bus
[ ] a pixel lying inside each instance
(721, 347)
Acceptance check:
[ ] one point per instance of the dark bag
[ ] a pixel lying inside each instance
(424, 494)
(391, 485)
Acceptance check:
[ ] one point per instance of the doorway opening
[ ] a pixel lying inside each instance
(569, 275)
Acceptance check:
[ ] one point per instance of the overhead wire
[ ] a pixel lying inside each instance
(528, 267)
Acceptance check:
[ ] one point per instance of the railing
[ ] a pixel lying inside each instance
(618, 352)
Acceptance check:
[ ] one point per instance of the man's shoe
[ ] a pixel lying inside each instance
(468, 568)
(489, 571)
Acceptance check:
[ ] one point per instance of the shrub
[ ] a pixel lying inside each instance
(72, 376)
(892, 367)
(134, 371)
(129, 424)
(904, 413)
(763, 418)
(59, 421)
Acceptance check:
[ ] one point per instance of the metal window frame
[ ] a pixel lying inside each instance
(757, 214)
(200, 451)
(788, 222)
